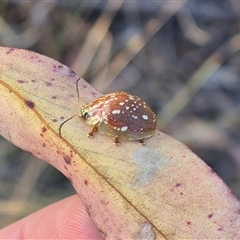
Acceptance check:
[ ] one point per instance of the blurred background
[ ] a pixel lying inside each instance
(181, 57)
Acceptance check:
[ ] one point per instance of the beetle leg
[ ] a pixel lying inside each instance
(116, 141)
(95, 129)
(141, 142)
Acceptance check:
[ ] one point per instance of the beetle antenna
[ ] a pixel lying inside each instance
(77, 89)
(60, 127)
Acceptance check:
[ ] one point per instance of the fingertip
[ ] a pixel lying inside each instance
(66, 219)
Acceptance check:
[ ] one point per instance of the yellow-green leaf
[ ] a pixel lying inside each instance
(157, 191)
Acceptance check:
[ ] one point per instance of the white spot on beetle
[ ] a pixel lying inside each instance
(125, 128)
(131, 97)
(145, 117)
(116, 111)
(121, 103)
(127, 107)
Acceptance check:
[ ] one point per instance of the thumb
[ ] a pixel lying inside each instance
(66, 219)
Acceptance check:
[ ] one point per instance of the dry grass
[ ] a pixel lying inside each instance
(181, 57)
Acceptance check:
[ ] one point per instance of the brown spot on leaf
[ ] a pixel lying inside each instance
(178, 185)
(86, 182)
(188, 223)
(54, 97)
(211, 171)
(103, 202)
(30, 104)
(44, 129)
(210, 215)
(22, 81)
(60, 67)
(44, 144)
(54, 120)
(72, 73)
(67, 160)
(10, 50)
(48, 84)
(54, 68)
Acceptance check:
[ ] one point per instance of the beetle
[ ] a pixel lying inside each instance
(120, 115)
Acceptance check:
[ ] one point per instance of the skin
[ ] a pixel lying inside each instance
(66, 219)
